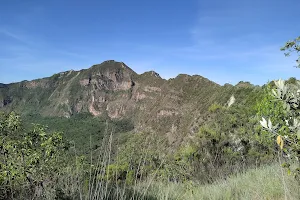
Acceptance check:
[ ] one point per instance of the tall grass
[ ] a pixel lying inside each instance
(80, 182)
(261, 183)
(266, 182)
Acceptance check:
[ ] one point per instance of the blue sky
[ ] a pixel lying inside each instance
(225, 41)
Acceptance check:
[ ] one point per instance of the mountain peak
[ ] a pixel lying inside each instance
(151, 73)
(244, 84)
(111, 65)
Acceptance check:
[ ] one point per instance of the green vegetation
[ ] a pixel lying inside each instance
(81, 127)
(29, 159)
(292, 46)
(285, 125)
(43, 163)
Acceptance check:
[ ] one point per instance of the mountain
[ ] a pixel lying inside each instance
(113, 91)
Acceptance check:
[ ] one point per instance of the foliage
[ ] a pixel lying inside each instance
(79, 128)
(231, 141)
(267, 107)
(292, 46)
(139, 157)
(287, 128)
(215, 107)
(29, 159)
(287, 131)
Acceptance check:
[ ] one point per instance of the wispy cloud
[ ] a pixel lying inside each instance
(12, 35)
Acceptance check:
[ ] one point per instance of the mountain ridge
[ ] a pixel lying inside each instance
(113, 90)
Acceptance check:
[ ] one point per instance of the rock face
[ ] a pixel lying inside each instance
(111, 89)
